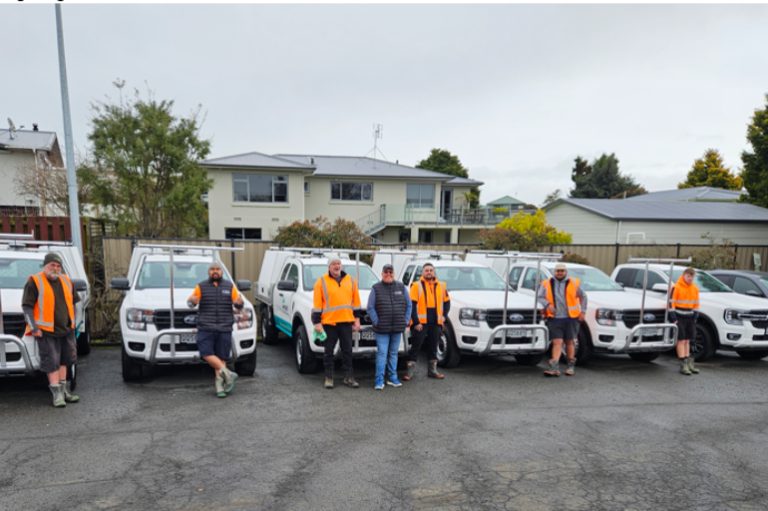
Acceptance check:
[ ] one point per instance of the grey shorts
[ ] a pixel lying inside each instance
(563, 329)
(56, 351)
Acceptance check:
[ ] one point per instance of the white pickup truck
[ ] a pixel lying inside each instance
(153, 333)
(612, 313)
(20, 257)
(475, 323)
(285, 290)
(727, 320)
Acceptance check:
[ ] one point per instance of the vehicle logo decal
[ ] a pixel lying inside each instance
(517, 318)
(190, 320)
(649, 317)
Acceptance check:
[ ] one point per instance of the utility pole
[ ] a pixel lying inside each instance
(74, 209)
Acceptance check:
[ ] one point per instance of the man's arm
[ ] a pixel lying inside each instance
(542, 296)
(194, 298)
(408, 306)
(237, 298)
(28, 301)
(582, 296)
(372, 307)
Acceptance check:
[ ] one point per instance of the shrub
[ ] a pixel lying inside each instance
(574, 258)
(510, 239)
(717, 255)
(536, 224)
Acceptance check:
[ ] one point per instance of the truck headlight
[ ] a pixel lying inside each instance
(608, 317)
(471, 317)
(138, 319)
(244, 318)
(733, 316)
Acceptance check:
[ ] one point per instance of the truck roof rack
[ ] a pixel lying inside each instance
(20, 241)
(180, 249)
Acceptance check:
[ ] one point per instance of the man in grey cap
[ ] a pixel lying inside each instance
(48, 304)
(565, 304)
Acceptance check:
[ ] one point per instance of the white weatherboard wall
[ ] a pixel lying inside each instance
(10, 163)
(587, 228)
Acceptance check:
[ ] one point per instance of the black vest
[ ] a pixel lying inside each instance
(391, 304)
(215, 309)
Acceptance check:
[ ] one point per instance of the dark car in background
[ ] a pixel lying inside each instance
(750, 283)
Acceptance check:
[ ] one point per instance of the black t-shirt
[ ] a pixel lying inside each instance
(61, 323)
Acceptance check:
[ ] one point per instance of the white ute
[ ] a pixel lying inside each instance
(727, 320)
(18, 260)
(285, 290)
(612, 323)
(149, 337)
(476, 323)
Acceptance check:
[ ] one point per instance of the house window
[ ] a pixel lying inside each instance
(260, 188)
(425, 236)
(351, 191)
(238, 233)
(420, 196)
(306, 186)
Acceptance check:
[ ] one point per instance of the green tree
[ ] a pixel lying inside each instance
(551, 197)
(755, 172)
(321, 233)
(143, 168)
(581, 169)
(441, 160)
(604, 181)
(711, 171)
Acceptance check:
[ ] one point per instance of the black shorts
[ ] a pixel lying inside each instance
(56, 351)
(214, 343)
(686, 328)
(563, 329)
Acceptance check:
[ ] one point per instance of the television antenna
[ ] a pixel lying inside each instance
(378, 132)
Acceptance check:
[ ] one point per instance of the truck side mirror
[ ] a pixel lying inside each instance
(286, 285)
(120, 284)
(243, 285)
(661, 288)
(80, 285)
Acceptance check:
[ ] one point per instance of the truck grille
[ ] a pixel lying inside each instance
(13, 324)
(163, 319)
(760, 324)
(632, 317)
(494, 317)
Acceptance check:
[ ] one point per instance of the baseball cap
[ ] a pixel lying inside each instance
(50, 257)
(387, 267)
(560, 266)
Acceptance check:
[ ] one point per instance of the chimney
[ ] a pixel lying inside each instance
(397, 162)
(312, 160)
(34, 127)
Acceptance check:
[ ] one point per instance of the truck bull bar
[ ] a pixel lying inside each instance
(528, 348)
(635, 338)
(4, 339)
(174, 334)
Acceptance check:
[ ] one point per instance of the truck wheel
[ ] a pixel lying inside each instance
(306, 363)
(247, 366)
(703, 347)
(584, 346)
(269, 331)
(644, 357)
(84, 339)
(529, 360)
(72, 376)
(752, 355)
(447, 352)
(132, 370)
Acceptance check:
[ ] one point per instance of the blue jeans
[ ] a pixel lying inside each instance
(386, 353)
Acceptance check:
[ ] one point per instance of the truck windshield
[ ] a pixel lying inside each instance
(462, 278)
(315, 271)
(593, 279)
(704, 281)
(156, 275)
(15, 272)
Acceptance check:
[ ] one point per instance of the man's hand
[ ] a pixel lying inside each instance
(551, 309)
(581, 316)
(418, 327)
(37, 333)
(237, 302)
(356, 326)
(319, 328)
(194, 299)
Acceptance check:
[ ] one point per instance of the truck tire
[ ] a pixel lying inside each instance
(269, 331)
(447, 352)
(84, 339)
(247, 366)
(584, 346)
(72, 376)
(704, 346)
(646, 358)
(132, 370)
(529, 360)
(752, 355)
(306, 362)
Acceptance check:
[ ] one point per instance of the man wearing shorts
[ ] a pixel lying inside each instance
(685, 312)
(215, 298)
(565, 304)
(48, 304)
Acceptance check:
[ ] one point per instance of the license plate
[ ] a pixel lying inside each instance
(367, 335)
(653, 333)
(188, 338)
(519, 333)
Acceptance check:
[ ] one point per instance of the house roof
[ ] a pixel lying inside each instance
(361, 166)
(28, 140)
(668, 211)
(698, 193)
(463, 181)
(255, 160)
(503, 201)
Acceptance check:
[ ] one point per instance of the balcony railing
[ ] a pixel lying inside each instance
(407, 215)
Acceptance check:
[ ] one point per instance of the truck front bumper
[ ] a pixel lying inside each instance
(165, 347)
(15, 356)
(642, 338)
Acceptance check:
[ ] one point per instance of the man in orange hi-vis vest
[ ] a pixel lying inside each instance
(49, 311)
(684, 312)
(430, 308)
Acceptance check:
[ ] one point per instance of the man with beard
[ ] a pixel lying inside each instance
(216, 297)
(565, 304)
(48, 304)
(430, 306)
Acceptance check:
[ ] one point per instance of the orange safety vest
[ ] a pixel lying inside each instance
(336, 301)
(685, 296)
(574, 306)
(427, 300)
(46, 302)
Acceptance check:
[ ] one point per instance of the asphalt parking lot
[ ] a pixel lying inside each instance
(620, 435)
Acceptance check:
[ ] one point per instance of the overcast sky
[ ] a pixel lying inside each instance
(516, 91)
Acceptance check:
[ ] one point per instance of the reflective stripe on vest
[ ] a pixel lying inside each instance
(325, 309)
(684, 295)
(438, 302)
(339, 310)
(45, 295)
(572, 301)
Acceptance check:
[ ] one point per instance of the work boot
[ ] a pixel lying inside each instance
(432, 370)
(220, 392)
(328, 380)
(349, 381)
(571, 367)
(58, 395)
(68, 396)
(684, 367)
(554, 368)
(691, 367)
(411, 366)
(229, 379)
